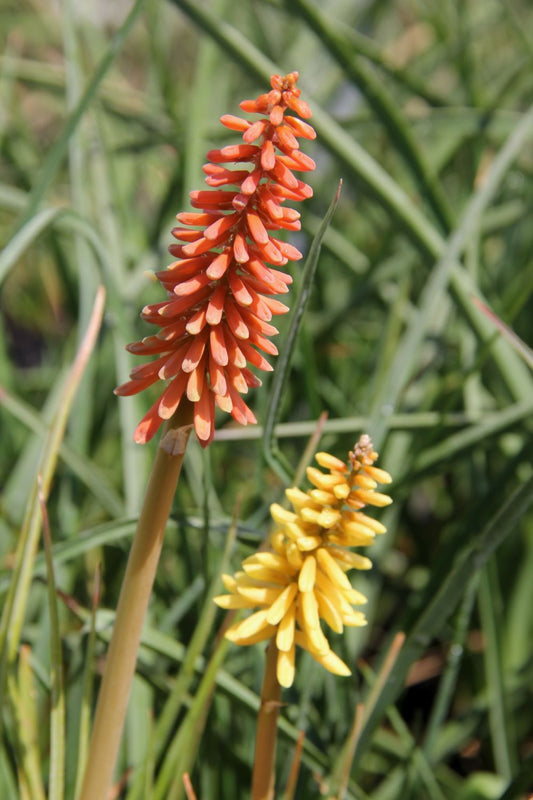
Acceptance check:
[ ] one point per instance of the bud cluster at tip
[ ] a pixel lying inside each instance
(217, 315)
(302, 579)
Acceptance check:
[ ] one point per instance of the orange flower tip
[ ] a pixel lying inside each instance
(234, 123)
(224, 402)
(165, 412)
(276, 116)
(192, 393)
(145, 431)
(150, 275)
(254, 131)
(232, 152)
(128, 388)
(250, 106)
(240, 201)
(203, 429)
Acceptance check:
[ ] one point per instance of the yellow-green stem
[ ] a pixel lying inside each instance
(132, 606)
(267, 727)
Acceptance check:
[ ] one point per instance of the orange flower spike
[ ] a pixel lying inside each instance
(217, 315)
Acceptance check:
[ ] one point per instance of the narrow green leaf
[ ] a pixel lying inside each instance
(521, 347)
(84, 726)
(15, 605)
(84, 469)
(470, 559)
(270, 449)
(58, 150)
(503, 740)
(22, 697)
(385, 106)
(56, 781)
(448, 680)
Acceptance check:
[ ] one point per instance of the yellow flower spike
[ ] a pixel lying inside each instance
(354, 597)
(322, 481)
(330, 462)
(260, 573)
(344, 540)
(341, 598)
(379, 475)
(354, 620)
(357, 529)
(328, 611)
(367, 523)
(333, 663)
(277, 540)
(303, 580)
(329, 517)
(285, 667)
(363, 451)
(364, 481)
(242, 579)
(341, 491)
(258, 595)
(261, 636)
(328, 659)
(306, 543)
(364, 519)
(285, 632)
(297, 498)
(311, 622)
(281, 515)
(294, 556)
(371, 498)
(322, 497)
(229, 582)
(306, 578)
(228, 601)
(330, 567)
(352, 560)
(297, 531)
(249, 626)
(310, 515)
(281, 605)
(269, 560)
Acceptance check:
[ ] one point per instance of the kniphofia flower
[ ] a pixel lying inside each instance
(217, 315)
(303, 578)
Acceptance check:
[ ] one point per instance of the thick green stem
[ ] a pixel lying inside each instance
(267, 728)
(132, 606)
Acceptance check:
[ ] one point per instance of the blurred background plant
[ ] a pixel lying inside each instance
(422, 109)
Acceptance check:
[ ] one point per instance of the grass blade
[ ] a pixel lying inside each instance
(470, 559)
(22, 697)
(382, 102)
(56, 784)
(58, 150)
(503, 744)
(84, 726)
(271, 451)
(15, 604)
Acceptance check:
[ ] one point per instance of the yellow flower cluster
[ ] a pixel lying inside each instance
(302, 579)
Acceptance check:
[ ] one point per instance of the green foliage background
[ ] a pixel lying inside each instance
(423, 109)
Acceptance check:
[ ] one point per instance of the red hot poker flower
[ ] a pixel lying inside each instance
(217, 315)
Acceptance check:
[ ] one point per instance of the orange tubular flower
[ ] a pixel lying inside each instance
(217, 315)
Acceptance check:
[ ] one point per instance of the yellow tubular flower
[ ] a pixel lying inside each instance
(303, 579)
